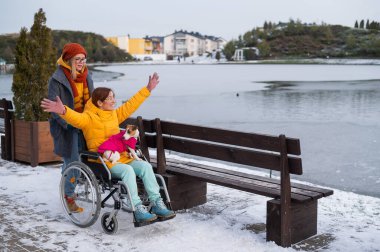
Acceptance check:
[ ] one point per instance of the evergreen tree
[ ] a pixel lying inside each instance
(35, 62)
(22, 75)
(356, 24)
(270, 26)
(361, 24)
(229, 49)
(265, 25)
(367, 24)
(217, 56)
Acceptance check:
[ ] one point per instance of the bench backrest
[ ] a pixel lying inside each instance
(271, 152)
(264, 151)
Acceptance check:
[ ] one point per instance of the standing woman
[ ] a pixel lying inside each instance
(72, 83)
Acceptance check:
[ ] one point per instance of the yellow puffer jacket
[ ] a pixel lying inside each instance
(98, 125)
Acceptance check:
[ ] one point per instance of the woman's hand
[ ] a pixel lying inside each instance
(53, 106)
(153, 81)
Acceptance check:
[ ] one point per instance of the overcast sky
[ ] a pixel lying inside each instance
(221, 18)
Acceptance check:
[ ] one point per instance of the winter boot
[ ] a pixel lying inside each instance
(73, 207)
(163, 213)
(142, 214)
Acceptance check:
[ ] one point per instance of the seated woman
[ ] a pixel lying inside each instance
(99, 121)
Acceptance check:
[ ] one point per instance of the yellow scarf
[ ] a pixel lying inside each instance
(80, 96)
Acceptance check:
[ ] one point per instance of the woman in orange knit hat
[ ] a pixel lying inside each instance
(73, 84)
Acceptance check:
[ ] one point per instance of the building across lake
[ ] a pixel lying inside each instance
(178, 44)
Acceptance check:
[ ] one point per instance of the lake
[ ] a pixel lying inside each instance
(333, 109)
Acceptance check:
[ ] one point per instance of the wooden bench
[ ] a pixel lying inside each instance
(6, 114)
(292, 211)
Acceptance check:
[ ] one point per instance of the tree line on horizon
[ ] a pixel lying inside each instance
(274, 40)
(368, 25)
(295, 39)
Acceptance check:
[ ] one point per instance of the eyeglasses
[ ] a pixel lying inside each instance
(110, 98)
(80, 60)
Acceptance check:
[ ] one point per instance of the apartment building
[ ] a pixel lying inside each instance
(191, 43)
(179, 43)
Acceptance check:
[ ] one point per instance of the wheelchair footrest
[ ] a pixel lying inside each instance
(143, 223)
(165, 218)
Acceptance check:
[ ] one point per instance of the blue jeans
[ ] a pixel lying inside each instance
(70, 185)
(128, 172)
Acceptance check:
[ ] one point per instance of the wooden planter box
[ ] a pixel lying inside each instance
(32, 143)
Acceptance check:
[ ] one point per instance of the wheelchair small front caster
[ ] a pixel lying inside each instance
(109, 226)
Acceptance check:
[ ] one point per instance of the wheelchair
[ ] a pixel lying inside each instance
(95, 187)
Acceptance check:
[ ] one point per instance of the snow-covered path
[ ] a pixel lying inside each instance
(31, 218)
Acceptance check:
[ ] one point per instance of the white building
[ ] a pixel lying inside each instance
(239, 53)
(192, 43)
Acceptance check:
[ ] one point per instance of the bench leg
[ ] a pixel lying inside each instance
(303, 223)
(185, 192)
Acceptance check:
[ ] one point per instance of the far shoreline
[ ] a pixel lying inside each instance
(9, 68)
(207, 61)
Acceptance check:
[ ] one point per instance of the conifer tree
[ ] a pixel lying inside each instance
(22, 75)
(35, 62)
(361, 24)
(217, 56)
(356, 24)
(367, 24)
(265, 26)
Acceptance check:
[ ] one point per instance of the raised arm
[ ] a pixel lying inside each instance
(153, 82)
(129, 107)
(78, 120)
(53, 106)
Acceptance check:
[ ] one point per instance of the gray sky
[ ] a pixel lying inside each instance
(221, 18)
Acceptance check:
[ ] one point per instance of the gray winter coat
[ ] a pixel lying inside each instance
(63, 135)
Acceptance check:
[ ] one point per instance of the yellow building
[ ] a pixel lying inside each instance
(136, 46)
(140, 46)
(120, 41)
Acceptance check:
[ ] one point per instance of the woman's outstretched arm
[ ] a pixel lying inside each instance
(78, 120)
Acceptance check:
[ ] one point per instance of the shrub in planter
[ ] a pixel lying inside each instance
(35, 63)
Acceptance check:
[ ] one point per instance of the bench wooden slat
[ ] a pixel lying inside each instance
(257, 187)
(231, 154)
(250, 140)
(316, 191)
(268, 183)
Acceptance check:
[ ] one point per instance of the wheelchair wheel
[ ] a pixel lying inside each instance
(109, 226)
(78, 177)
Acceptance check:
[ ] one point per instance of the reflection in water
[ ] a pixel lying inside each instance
(317, 101)
(338, 124)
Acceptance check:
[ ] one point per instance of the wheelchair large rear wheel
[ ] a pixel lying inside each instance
(78, 177)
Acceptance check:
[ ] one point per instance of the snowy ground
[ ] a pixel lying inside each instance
(31, 217)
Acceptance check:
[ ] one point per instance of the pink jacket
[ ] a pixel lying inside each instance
(117, 143)
(131, 143)
(114, 143)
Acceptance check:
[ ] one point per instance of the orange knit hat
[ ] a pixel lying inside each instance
(72, 49)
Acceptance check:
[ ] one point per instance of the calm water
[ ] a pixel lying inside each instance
(333, 109)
